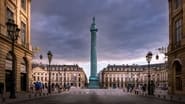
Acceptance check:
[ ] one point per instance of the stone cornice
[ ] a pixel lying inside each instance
(181, 49)
(19, 46)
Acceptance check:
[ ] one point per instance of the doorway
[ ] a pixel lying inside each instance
(23, 81)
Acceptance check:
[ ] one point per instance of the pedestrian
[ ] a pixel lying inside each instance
(144, 89)
(136, 90)
(127, 88)
(36, 88)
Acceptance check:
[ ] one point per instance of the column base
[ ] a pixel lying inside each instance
(93, 83)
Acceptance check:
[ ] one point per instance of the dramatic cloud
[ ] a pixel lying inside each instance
(128, 29)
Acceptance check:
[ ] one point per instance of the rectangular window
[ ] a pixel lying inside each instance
(23, 33)
(23, 4)
(178, 32)
(177, 3)
(9, 14)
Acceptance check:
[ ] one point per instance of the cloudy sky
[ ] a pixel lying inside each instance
(128, 29)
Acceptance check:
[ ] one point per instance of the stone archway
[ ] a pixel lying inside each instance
(177, 76)
(177, 69)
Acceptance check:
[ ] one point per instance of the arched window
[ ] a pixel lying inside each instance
(178, 75)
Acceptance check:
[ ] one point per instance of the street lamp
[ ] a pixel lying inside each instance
(148, 59)
(13, 33)
(41, 57)
(49, 58)
(164, 51)
(64, 78)
(74, 80)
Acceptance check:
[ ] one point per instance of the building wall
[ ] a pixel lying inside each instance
(60, 75)
(176, 49)
(121, 76)
(22, 51)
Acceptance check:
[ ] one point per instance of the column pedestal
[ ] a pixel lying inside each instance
(93, 82)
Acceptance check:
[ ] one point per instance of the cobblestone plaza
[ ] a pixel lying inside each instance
(97, 96)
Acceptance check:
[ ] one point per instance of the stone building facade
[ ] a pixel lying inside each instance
(19, 11)
(176, 49)
(121, 76)
(61, 75)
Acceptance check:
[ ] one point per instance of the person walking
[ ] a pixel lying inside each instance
(144, 89)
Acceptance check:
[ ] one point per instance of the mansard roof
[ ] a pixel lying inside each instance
(134, 67)
(59, 67)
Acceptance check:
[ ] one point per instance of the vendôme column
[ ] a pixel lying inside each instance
(93, 80)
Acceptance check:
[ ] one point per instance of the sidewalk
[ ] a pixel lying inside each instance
(164, 96)
(23, 96)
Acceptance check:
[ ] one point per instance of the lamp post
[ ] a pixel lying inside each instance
(75, 82)
(49, 58)
(64, 79)
(148, 59)
(13, 33)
